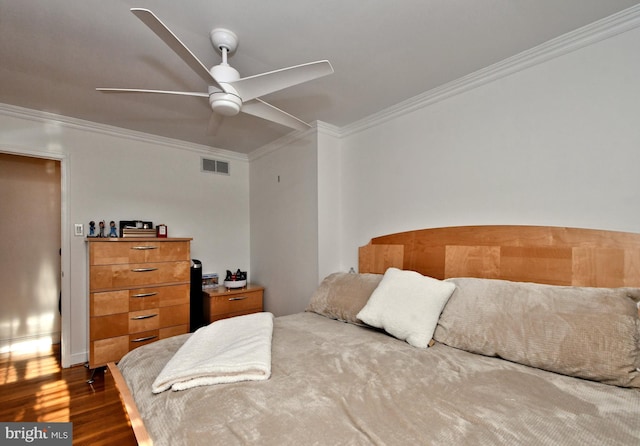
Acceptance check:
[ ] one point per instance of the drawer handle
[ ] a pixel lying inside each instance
(144, 248)
(145, 294)
(146, 316)
(143, 270)
(146, 338)
(231, 299)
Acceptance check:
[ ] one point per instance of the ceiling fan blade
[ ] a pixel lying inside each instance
(262, 84)
(264, 110)
(162, 31)
(138, 90)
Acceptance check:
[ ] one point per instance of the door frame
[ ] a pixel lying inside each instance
(65, 245)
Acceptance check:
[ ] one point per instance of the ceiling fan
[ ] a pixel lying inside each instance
(228, 93)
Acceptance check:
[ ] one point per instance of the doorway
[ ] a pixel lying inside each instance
(30, 261)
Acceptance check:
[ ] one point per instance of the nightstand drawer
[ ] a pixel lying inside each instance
(221, 304)
(112, 252)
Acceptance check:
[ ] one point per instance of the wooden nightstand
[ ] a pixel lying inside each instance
(220, 303)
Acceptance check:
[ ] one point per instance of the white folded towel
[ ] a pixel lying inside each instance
(226, 351)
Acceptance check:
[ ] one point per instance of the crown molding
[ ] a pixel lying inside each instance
(118, 132)
(281, 142)
(317, 127)
(325, 128)
(600, 30)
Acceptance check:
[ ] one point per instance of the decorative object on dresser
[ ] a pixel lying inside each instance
(209, 280)
(161, 231)
(137, 228)
(113, 232)
(138, 293)
(221, 303)
(236, 280)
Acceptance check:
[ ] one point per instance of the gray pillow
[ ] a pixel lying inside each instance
(341, 296)
(590, 333)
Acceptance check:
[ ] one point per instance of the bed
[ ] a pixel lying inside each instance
(537, 342)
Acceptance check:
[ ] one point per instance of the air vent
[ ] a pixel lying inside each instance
(215, 166)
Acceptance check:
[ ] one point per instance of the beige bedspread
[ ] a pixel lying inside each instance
(335, 383)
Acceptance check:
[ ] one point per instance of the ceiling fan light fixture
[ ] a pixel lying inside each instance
(226, 104)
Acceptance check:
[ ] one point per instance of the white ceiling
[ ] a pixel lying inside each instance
(54, 53)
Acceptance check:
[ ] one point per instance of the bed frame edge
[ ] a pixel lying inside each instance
(139, 430)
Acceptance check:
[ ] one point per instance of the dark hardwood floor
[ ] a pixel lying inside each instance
(34, 387)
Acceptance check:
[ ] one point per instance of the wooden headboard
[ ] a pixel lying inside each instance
(542, 254)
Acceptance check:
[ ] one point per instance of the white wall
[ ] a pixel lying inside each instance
(548, 138)
(119, 175)
(284, 222)
(329, 202)
(554, 144)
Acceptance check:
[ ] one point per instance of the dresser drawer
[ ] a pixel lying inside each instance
(144, 320)
(109, 302)
(143, 298)
(116, 252)
(144, 338)
(109, 326)
(107, 350)
(176, 330)
(154, 297)
(138, 274)
(175, 295)
(174, 315)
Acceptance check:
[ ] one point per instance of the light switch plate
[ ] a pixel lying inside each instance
(78, 230)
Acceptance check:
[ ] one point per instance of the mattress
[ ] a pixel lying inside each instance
(336, 383)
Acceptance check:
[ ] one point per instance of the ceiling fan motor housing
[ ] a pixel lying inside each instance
(228, 102)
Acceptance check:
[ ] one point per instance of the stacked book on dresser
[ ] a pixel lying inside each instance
(138, 232)
(137, 228)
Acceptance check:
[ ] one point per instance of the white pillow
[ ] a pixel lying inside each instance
(407, 305)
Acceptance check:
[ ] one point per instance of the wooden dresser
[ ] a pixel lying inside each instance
(220, 303)
(139, 292)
